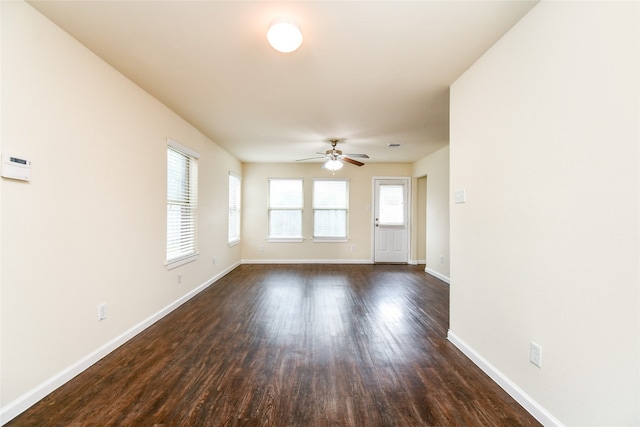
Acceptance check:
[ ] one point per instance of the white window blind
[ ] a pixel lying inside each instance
(182, 203)
(330, 203)
(234, 208)
(285, 208)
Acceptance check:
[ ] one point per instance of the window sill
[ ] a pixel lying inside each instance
(234, 243)
(330, 239)
(285, 240)
(181, 261)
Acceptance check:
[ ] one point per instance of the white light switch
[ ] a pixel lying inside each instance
(461, 196)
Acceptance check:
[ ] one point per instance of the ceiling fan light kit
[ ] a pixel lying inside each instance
(334, 159)
(333, 165)
(284, 36)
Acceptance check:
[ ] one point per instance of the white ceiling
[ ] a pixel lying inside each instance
(369, 72)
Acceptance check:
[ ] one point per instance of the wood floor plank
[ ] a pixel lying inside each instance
(291, 345)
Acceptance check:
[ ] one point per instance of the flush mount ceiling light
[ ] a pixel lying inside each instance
(284, 36)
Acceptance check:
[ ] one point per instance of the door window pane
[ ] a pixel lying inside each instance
(391, 200)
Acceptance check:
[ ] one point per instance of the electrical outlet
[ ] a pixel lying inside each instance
(441, 259)
(102, 312)
(179, 278)
(460, 196)
(261, 248)
(353, 248)
(215, 259)
(535, 354)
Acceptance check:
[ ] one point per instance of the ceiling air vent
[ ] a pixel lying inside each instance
(394, 145)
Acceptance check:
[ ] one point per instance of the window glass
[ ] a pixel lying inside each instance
(285, 208)
(182, 203)
(330, 200)
(234, 208)
(391, 199)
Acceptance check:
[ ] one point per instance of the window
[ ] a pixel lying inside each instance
(330, 202)
(234, 208)
(182, 204)
(391, 201)
(285, 209)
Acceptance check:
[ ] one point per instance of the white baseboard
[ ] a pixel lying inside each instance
(438, 275)
(533, 407)
(30, 398)
(307, 261)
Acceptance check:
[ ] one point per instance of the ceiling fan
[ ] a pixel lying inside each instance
(335, 158)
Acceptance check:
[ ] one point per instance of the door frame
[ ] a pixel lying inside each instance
(408, 180)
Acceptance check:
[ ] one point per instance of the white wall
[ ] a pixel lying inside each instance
(436, 168)
(544, 138)
(90, 227)
(255, 204)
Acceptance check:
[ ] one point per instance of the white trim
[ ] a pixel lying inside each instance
(181, 261)
(285, 239)
(33, 396)
(30, 398)
(438, 275)
(307, 261)
(527, 402)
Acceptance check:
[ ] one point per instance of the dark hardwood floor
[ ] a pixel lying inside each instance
(291, 345)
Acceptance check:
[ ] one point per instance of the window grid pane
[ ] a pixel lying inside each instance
(330, 194)
(285, 193)
(330, 223)
(285, 223)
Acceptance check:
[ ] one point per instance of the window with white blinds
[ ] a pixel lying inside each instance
(234, 208)
(285, 209)
(330, 204)
(182, 204)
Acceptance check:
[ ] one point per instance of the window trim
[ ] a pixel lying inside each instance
(285, 239)
(193, 157)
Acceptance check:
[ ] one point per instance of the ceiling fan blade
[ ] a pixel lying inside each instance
(310, 158)
(362, 156)
(353, 162)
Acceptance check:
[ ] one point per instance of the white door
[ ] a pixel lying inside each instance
(391, 222)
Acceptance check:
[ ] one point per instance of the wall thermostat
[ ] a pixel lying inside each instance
(15, 168)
